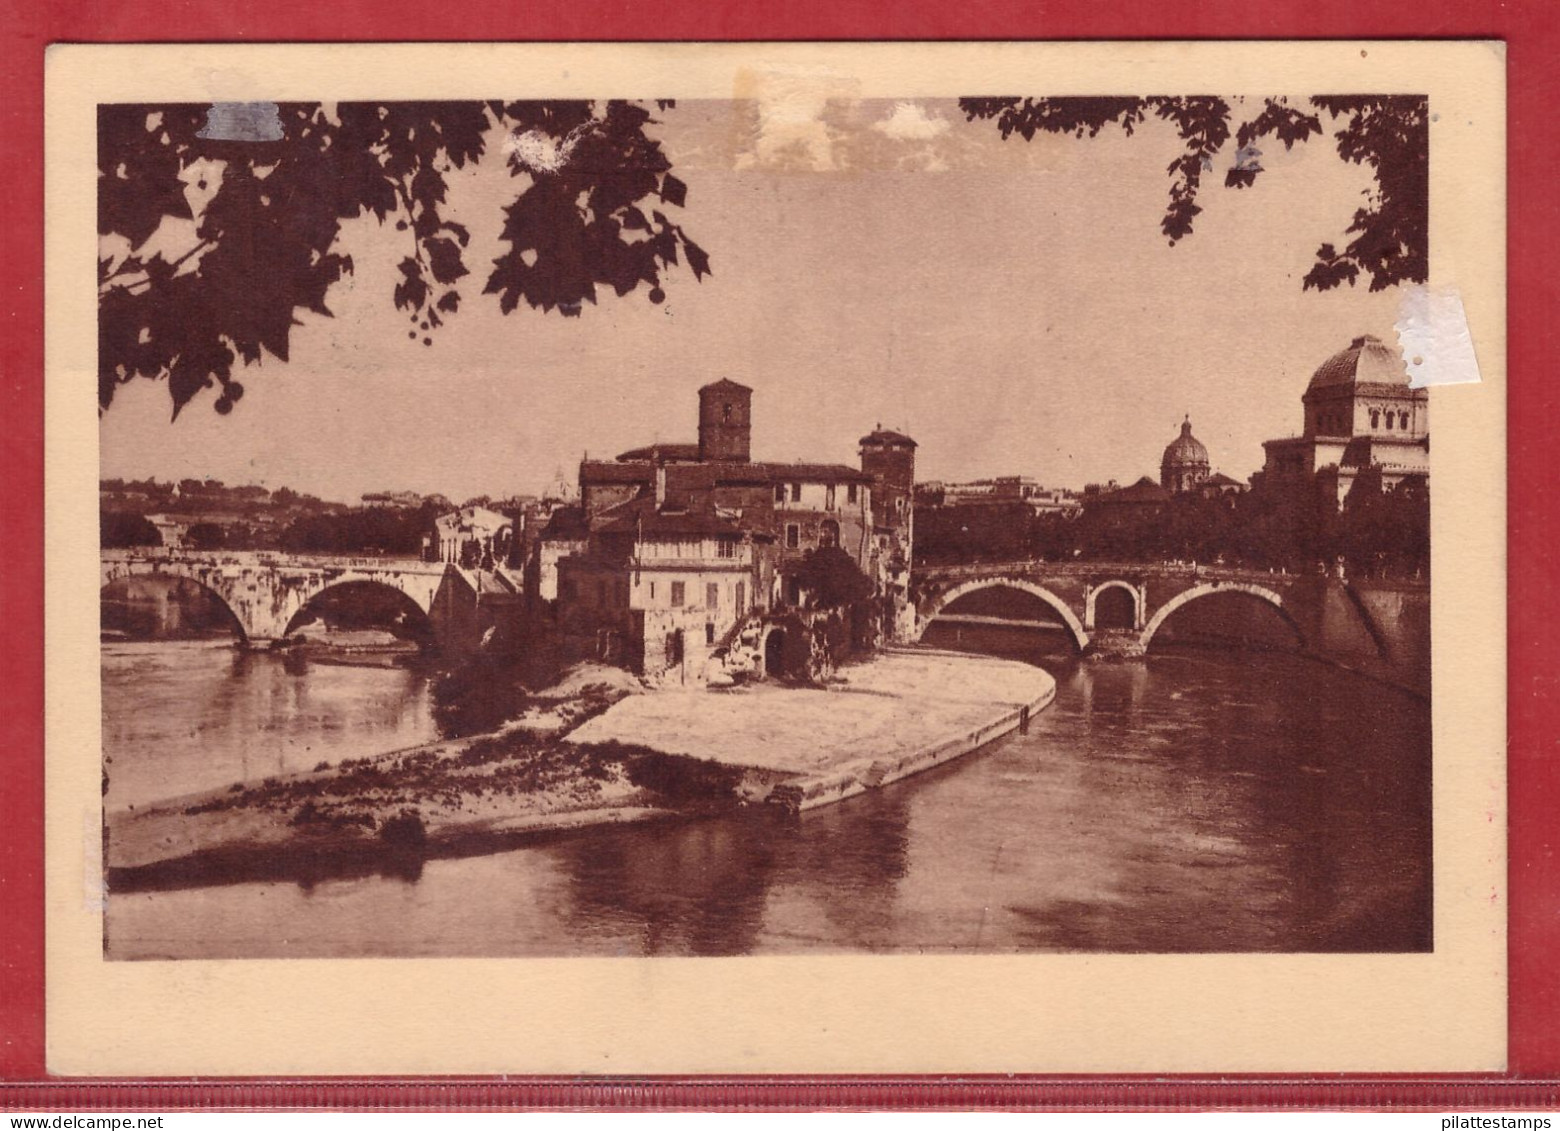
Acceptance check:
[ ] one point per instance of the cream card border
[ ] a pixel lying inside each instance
(996, 1013)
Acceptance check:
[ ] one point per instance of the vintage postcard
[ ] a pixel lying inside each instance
(776, 558)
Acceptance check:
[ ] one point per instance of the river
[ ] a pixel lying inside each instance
(1199, 801)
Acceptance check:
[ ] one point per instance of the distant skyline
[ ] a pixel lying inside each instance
(1013, 306)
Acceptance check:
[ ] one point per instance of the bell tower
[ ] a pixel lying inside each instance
(725, 422)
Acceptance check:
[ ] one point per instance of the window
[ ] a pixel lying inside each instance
(1389, 421)
(850, 493)
(726, 547)
(709, 633)
(779, 492)
(1375, 418)
(1402, 420)
(828, 497)
(725, 413)
(796, 492)
(712, 595)
(829, 533)
(678, 591)
(793, 536)
(741, 598)
(652, 591)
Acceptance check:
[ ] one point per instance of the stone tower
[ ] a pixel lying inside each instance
(725, 422)
(889, 457)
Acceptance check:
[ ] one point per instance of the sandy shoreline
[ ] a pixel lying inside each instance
(646, 756)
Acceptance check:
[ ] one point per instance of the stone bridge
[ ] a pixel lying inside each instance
(266, 592)
(1380, 627)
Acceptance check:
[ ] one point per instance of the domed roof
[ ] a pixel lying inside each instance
(1367, 359)
(1186, 449)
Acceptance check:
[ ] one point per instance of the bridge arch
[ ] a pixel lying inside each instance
(1133, 592)
(419, 617)
(1212, 589)
(174, 580)
(1080, 635)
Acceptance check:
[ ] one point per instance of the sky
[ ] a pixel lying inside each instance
(1011, 305)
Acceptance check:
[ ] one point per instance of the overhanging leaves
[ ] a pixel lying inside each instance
(1387, 133)
(263, 248)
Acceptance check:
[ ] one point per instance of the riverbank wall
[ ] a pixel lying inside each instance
(901, 713)
(863, 774)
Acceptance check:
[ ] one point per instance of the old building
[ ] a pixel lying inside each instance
(1361, 418)
(1124, 506)
(1001, 489)
(658, 588)
(675, 547)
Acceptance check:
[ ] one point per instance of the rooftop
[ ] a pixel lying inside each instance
(881, 435)
(643, 518)
(1145, 490)
(661, 453)
(1367, 360)
(725, 384)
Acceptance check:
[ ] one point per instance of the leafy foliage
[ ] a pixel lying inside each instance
(1378, 533)
(122, 531)
(1387, 133)
(581, 224)
(256, 223)
(832, 578)
(377, 530)
(205, 536)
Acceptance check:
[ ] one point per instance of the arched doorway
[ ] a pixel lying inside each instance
(1115, 606)
(774, 653)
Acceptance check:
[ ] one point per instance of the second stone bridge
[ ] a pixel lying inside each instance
(1379, 627)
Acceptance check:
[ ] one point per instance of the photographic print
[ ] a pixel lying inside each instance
(796, 522)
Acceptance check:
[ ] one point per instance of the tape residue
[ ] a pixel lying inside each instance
(1432, 330)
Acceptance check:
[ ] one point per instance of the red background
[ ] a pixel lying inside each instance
(1527, 26)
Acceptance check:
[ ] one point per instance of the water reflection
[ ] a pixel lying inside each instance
(190, 716)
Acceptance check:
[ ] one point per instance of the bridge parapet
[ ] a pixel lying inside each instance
(271, 559)
(1101, 569)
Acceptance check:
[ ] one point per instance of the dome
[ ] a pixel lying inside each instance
(1368, 359)
(1186, 450)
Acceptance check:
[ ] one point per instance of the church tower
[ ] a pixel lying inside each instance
(889, 457)
(725, 422)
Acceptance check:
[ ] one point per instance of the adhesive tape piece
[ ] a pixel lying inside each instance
(1432, 330)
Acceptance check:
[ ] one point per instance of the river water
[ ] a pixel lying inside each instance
(1200, 801)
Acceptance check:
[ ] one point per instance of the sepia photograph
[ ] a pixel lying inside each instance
(666, 528)
(797, 521)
